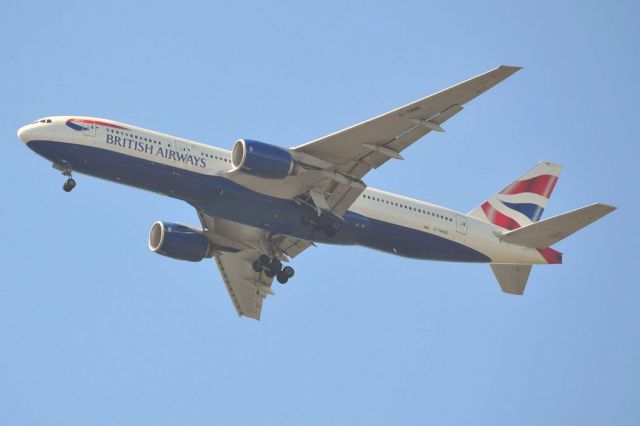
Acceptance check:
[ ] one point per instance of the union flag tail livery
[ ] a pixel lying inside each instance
(260, 205)
(517, 209)
(523, 201)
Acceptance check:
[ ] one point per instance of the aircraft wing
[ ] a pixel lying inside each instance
(357, 149)
(334, 165)
(237, 246)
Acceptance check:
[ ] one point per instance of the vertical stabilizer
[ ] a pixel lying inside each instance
(512, 278)
(522, 202)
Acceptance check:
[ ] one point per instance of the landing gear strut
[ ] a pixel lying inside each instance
(273, 268)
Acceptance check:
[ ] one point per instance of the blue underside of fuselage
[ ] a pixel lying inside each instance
(219, 197)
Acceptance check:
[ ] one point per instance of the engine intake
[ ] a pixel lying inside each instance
(178, 242)
(262, 159)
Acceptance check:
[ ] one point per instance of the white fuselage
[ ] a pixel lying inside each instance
(159, 150)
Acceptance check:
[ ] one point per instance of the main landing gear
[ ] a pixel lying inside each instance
(273, 268)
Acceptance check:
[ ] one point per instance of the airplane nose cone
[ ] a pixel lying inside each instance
(23, 133)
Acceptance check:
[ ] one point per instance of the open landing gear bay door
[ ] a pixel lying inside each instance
(237, 247)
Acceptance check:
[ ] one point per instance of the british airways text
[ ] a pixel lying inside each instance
(158, 151)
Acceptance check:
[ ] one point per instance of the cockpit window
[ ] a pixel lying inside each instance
(42, 120)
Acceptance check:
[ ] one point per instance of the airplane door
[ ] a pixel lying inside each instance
(89, 128)
(461, 224)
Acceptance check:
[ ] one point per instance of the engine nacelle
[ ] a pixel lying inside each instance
(261, 159)
(178, 242)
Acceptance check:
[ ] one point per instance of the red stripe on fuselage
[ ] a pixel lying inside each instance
(100, 123)
(541, 185)
(498, 218)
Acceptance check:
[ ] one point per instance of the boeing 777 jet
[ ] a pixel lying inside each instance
(261, 205)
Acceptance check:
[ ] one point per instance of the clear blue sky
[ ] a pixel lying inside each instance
(95, 329)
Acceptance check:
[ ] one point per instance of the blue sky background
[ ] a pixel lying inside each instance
(95, 329)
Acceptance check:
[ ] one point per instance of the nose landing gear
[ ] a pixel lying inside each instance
(69, 185)
(273, 268)
(66, 170)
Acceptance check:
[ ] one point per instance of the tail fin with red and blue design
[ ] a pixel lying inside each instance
(517, 209)
(522, 202)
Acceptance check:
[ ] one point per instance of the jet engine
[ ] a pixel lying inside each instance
(261, 159)
(178, 242)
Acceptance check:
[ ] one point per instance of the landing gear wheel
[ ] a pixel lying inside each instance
(269, 273)
(275, 265)
(69, 185)
(288, 271)
(256, 266)
(282, 277)
(264, 260)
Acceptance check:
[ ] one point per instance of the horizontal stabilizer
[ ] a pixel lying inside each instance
(512, 278)
(549, 231)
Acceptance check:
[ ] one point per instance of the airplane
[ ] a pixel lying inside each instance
(260, 205)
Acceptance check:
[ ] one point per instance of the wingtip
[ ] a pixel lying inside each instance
(510, 68)
(608, 207)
